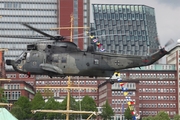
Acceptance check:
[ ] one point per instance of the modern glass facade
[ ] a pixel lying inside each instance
(41, 14)
(126, 29)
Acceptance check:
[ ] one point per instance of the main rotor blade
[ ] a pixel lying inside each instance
(23, 37)
(39, 31)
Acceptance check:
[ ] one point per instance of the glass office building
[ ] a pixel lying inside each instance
(126, 29)
(41, 14)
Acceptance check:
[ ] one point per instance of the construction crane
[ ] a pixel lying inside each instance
(69, 86)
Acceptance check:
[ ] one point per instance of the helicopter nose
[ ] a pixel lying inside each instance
(9, 62)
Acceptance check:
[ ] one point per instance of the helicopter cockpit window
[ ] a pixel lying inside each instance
(35, 55)
(28, 55)
(96, 62)
(64, 60)
(23, 56)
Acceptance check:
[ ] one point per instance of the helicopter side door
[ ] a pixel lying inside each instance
(33, 61)
(67, 64)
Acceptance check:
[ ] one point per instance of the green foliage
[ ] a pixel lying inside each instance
(107, 111)
(22, 108)
(88, 104)
(127, 114)
(160, 116)
(51, 104)
(48, 93)
(148, 118)
(36, 104)
(17, 112)
(2, 97)
(73, 106)
(176, 117)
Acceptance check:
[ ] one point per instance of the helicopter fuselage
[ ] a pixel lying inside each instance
(63, 58)
(78, 63)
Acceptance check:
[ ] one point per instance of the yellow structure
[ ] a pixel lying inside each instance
(4, 79)
(69, 86)
(6, 104)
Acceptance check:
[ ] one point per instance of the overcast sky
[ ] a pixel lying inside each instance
(167, 16)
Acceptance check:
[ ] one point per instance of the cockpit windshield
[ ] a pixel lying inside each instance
(24, 56)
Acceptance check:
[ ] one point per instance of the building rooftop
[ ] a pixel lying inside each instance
(6, 115)
(164, 67)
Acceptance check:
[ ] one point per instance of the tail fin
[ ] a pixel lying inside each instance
(159, 54)
(156, 56)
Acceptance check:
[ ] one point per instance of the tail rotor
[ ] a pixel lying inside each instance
(168, 43)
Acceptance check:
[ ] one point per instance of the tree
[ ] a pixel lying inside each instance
(127, 114)
(2, 97)
(17, 112)
(162, 116)
(48, 93)
(51, 104)
(107, 111)
(36, 104)
(176, 117)
(73, 106)
(22, 108)
(88, 104)
(148, 118)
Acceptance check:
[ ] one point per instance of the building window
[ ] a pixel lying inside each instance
(140, 90)
(119, 93)
(140, 97)
(112, 93)
(174, 97)
(112, 101)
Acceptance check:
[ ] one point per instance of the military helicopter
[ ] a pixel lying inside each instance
(64, 58)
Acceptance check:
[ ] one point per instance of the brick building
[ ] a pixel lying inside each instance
(153, 88)
(174, 58)
(81, 12)
(14, 89)
(60, 93)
